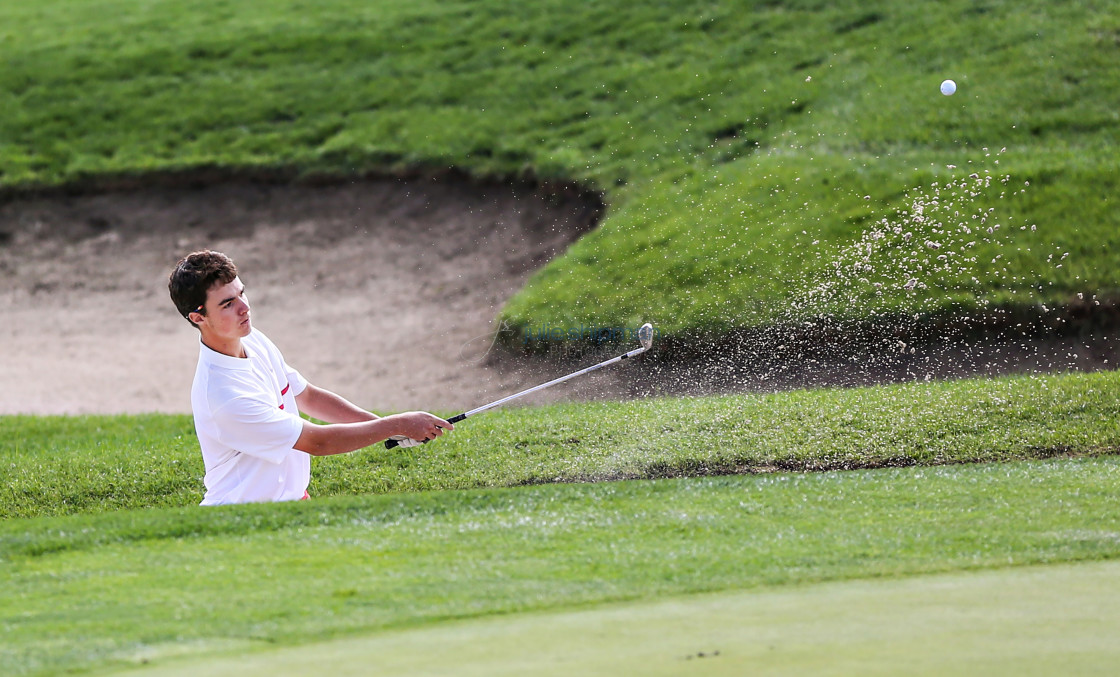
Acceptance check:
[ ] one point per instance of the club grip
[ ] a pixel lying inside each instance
(393, 444)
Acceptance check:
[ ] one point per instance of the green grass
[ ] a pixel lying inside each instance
(95, 575)
(777, 240)
(750, 154)
(728, 138)
(88, 591)
(64, 465)
(1048, 620)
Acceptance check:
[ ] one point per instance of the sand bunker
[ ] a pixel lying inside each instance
(382, 290)
(385, 291)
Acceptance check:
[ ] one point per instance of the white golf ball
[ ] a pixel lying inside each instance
(948, 87)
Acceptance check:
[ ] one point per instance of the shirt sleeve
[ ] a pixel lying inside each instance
(258, 428)
(296, 379)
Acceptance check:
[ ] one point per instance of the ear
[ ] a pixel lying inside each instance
(196, 317)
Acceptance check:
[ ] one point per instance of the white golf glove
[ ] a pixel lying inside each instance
(405, 442)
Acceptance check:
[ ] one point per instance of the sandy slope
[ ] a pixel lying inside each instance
(382, 290)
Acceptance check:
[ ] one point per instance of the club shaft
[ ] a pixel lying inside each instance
(553, 382)
(646, 342)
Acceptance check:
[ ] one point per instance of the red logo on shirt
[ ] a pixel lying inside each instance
(283, 393)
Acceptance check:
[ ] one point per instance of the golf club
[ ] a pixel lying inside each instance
(645, 337)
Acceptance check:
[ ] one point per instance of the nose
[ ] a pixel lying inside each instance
(244, 307)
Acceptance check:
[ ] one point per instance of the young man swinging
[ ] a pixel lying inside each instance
(246, 399)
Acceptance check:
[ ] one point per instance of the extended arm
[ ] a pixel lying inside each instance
(340, 438)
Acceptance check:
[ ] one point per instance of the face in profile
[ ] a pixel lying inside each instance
(227, 314)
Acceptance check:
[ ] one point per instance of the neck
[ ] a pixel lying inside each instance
(231, 347)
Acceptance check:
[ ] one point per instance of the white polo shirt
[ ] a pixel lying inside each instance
(247, 423)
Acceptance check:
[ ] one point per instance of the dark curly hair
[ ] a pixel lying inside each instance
(194, 276)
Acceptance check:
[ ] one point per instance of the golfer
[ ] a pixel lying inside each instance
(246, 399)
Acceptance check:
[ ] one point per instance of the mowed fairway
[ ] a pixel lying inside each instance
(1051, 620)
(171, 587)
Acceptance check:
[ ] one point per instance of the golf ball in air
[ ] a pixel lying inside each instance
(948, 87)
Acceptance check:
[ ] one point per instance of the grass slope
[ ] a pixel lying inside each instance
(63, 465)
(86, 591)
(729, 138)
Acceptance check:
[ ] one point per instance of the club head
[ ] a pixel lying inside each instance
(645, 335)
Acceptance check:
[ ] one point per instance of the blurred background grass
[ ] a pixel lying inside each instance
(727, 137)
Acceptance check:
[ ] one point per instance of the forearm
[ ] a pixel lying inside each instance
(330, 407)
(340, 438)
